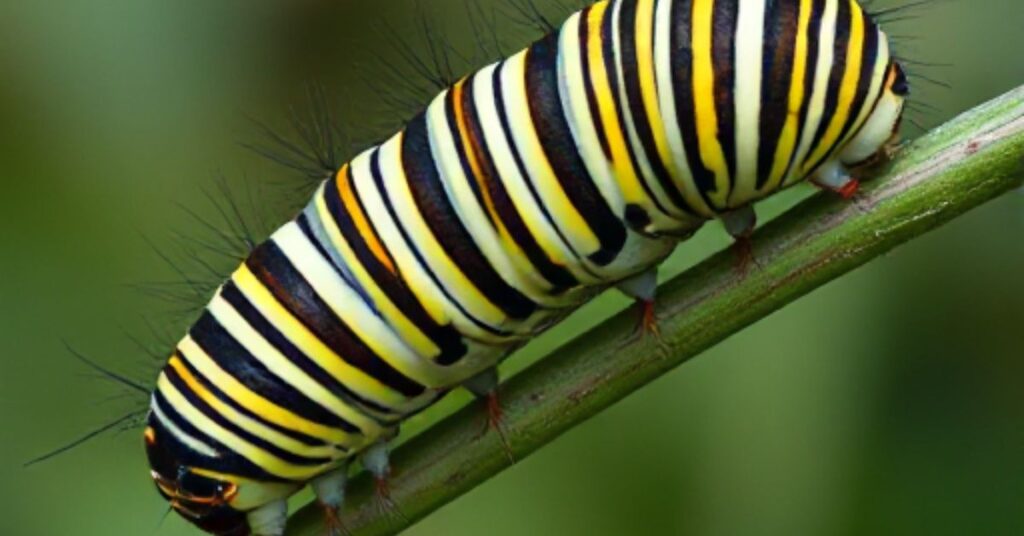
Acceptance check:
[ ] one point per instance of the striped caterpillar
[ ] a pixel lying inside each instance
(519, 193)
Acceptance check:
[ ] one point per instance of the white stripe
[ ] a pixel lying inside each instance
(878, 76)
(582, 123)
(663, 32)
(427, 293)
(747, 94)
(646, 172)
(472, 214)
(538, 170)
(282, 367)
(513, 181)
(189, 440)
(349, 306)
(826, 52)
(409, 218)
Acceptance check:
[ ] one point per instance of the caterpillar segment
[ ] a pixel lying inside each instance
(519, 193)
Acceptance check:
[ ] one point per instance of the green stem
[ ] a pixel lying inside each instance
(956, 167)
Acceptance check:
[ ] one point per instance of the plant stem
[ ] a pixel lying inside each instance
(954, 168)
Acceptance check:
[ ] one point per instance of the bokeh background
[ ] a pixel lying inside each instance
(890, 401)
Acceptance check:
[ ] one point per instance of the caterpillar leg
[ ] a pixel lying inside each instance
(740, 225)
(269, 519)
(834, 177)
(376, 459)
(330, 493)
(485, 386)
(642, 288)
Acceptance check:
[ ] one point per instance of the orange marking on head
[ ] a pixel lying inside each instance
(150, 436)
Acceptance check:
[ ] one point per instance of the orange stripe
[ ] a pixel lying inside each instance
(355, 212)
(469, 149)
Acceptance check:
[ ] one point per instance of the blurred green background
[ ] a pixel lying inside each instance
(890, 401)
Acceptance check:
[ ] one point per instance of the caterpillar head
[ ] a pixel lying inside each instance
(880, 132)
(204, 500)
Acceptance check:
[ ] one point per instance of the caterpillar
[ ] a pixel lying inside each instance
(519, 193)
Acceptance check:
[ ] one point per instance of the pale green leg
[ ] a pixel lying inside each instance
(269, 519)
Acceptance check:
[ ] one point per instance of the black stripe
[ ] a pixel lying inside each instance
(234, 296)
(432, 201)
(200, 405)
(877, 98)
(559, 148)
(169, 455)
(506, 130)
(682, 81)
(588, 83)
(835, 81)
(778, 53)
(234, 359)
(869, 55)
(723, 57)
(303, 222)
(462, 151)
(813, 46)
(378, 181)
(283, 280)
(446, 337)
(225, 399)
(559, 277)
(612, 70)
(634, 99)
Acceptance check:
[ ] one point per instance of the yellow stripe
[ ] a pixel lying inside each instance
(704, 100)
(470, 152)
(847, 89)
(256, 403)
(406, 329)
(354, 211)
(879, 76)
(459, 285)
(788, 138)
(649, 85)
(265, 460)
(309, 344)
(247, 423)
(624, 173)
(515, 183)
(509, 246)
(552, 196)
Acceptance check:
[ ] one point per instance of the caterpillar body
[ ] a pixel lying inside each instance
(519, 193)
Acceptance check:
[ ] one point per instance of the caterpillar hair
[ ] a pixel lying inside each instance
(509, 197)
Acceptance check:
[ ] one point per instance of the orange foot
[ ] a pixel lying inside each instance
(849, 189)
(648, 319)
(332, 520)
(495, 422)
(387, 504)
